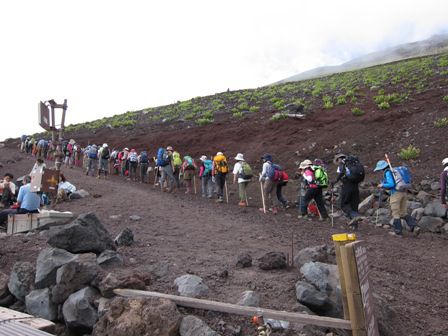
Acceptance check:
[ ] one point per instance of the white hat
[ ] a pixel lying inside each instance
(105, 145)
(219, 153)
(126, 149)
(203, 158)
(445, 161)
(305, 164)
(239, 157)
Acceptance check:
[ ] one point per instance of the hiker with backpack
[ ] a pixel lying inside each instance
(397, 181)
(92, 155)
(443, 182)
(243, 173)
(205, 175)
(313, 191)
(104, 156)
(133, 163)
(124, 161)
(219, 173)
(269, 178)
(164, 162)
(350, 172)
(188, 169)
(279, 190)
(177, 163)
(143, 161)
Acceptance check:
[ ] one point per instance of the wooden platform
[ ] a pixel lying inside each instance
(16, 323)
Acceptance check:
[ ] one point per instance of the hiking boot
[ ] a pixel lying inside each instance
(302, 217)
(416, 231)
(242, 204)
(398, 235)
(274, 211)
(219, 200)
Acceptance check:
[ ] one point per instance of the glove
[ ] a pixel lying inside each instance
(213, 179)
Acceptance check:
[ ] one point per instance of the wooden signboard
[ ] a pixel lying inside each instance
(50, 181)
(44, 116)
(354, 267)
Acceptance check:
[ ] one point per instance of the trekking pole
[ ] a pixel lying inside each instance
(227, 193)
(194, 183)
(378, 208)
(332, 207)
(247, 202)
(262, 197)
(156, 172)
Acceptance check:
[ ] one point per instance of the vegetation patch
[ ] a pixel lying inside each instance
(409, 153)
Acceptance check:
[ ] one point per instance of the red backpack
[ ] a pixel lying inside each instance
(284, 176)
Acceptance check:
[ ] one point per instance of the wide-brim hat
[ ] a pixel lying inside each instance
(203, 158)
(72, 142)
(380, 165)
(305, 164)
(219, 153)
(338, 156)
(126, 149)
(239, 157)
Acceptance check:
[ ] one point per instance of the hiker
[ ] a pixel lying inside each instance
(350, 172)
(124, 161)
(133, 162)
(243, 173)
(177, 163)
(104, 156)
(279, 190)
(313, 191)
(164, 162)
(77, 155)
(269, 181)
(58, 157)
(398, 200)
(219, 173)
(143, 161)
(187, 170)
(443, 182)
(92, 155)
(7, 191)
(205, 175)
(22, 143)
(28, 202)
(65, 188)
(41, 148)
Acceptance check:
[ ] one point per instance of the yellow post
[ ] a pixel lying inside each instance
(339, 241)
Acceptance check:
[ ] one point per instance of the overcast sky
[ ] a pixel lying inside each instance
(108, 57)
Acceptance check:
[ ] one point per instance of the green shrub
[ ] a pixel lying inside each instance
(443, 62)
(445, 99)
(279, 116)
(237, 114)
(357, 111)
(442, 122)
(254, 109)
(341, 100)
(207, 115)
(204, 121)
(409, 153)
(328, 102)
(384, 105)
(190, 116)
(243, 107)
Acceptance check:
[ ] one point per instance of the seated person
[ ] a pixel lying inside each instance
(29, 202)
(7, 191)
(65, 188)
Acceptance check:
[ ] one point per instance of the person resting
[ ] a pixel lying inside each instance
(65, 188)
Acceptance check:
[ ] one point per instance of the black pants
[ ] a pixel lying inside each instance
(7, 197)
(26, 211)
(316, 194)
(350, 199)
(280, 196)
(220, 182)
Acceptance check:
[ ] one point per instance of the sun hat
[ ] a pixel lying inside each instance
(305, 164)
(203, 158)
(239, 157)
(126, 149)
(380, 165)
(219, 153)
(105, 145)
(169, 148)
(338, 156)
(267, 157)
(445, 161)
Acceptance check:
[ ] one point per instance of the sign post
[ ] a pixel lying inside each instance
(355, 284)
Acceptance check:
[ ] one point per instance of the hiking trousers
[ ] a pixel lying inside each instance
(168, 175)
(398, 204)
(176, 174)
(269, 187)
(220, 179)
(350, 199)
(206, 186)
(316, 195)
(143, 171)
(280, 196)
(242, 189)
(133, 171)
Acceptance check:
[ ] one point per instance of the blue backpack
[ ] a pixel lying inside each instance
(274, 172)
(93, 153)
(162, 157)
(402, 177)
(208, 164)
(143, 157)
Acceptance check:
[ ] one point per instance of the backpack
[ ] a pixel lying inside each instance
(246, 171)
(354, 170)
(177, 161)
(284, 177)
(222, 166)
(402, 177)
(208, 165)
(93, 153)
(78, 148)
(320, 176)
(105, 153)
(133, 157)
(144, 157)
(274, 172)
(189, 161)
(162, 157)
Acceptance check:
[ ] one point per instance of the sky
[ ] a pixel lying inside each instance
(107, 57)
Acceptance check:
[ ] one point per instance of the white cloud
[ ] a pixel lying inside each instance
(107, 57)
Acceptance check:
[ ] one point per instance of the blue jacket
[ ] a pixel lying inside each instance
(388, 182)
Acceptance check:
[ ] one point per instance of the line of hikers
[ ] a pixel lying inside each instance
(170, 169)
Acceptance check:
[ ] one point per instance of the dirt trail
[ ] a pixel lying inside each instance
(181, 233)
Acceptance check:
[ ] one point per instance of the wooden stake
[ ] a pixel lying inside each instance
(262, 197)
(227, 193)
